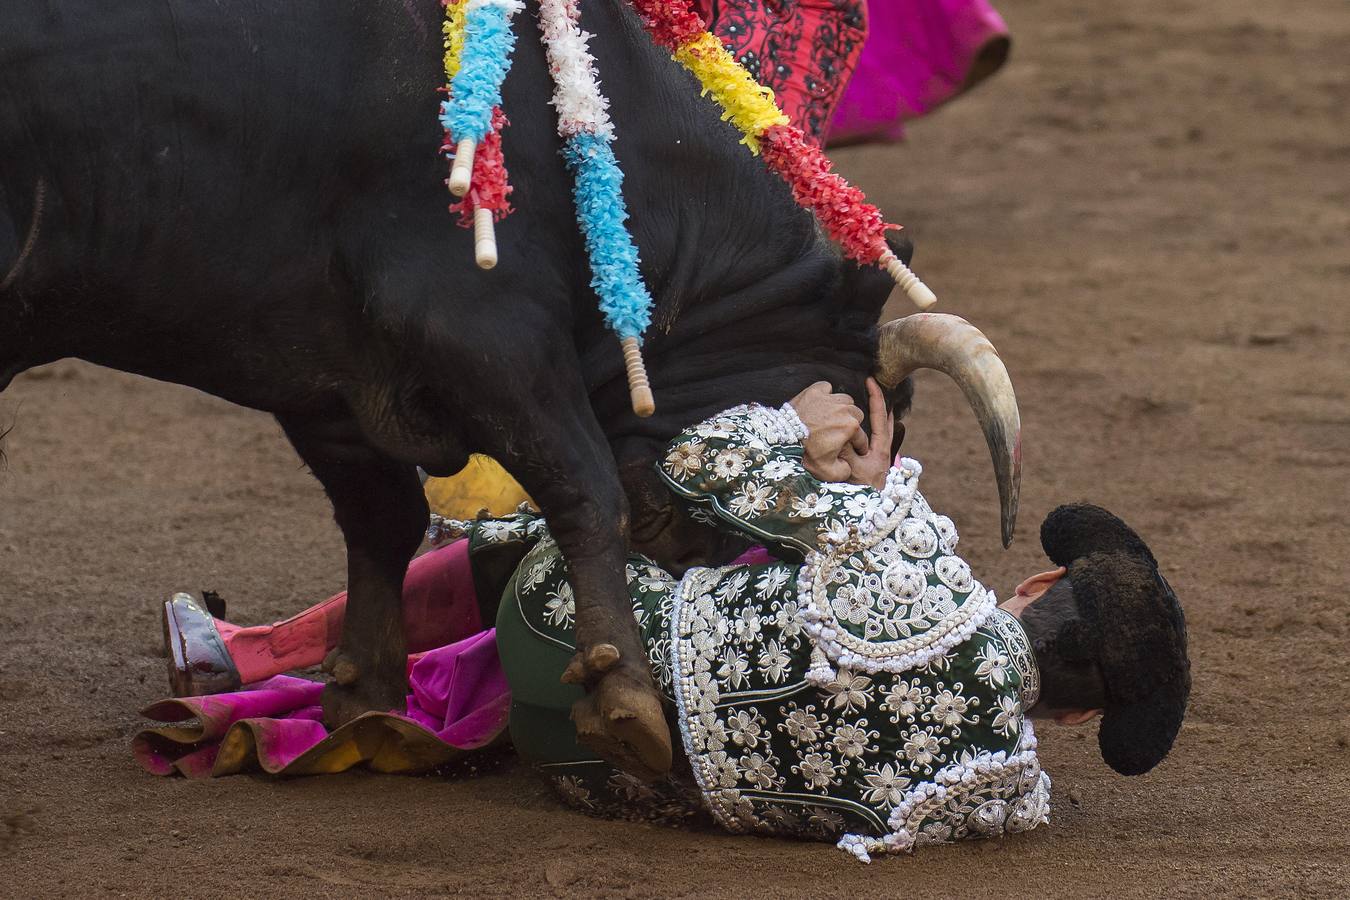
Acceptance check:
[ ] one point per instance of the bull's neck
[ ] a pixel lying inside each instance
(731, 261)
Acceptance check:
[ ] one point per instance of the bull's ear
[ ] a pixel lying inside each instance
(866, 288)
(900, 245)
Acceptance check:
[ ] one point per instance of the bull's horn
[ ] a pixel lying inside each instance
(955, 347)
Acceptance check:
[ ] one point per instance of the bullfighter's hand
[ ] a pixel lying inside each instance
(834, 424)
(871, 468)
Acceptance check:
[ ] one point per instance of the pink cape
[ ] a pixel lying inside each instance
(460, 701)
(918, 55)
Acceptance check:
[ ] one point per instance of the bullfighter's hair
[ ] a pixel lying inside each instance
(1066, 649)
(1133, 625)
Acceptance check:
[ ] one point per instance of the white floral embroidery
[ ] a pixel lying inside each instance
(851, 741)
(732, 588)
(992, 666)
(849, 691)
(715, 428)
(740, 807)
(771, 582)
(498, 530)
(726, 769)
(774, 661)
(561, 605)
(818, 770)
(760, 771)
(658, 654)
(779, 469)
(730, 463)
(685, 459)
(905, 698)
(715, 735)
(654, 579)
(746, 728)
(937, 602)
(747, 625)
(949, 709)
(811, 506)
(788, 619)
(852, 604)
(802, 726)
(859, 505)
(537, 572)
(844, 487)
(1009, 718)
(934, 833)
(886, 785)
(735, 668)
(835, 531)
(753, 499)
(922, 746)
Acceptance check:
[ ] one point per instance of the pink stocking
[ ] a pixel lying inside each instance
(439, 607)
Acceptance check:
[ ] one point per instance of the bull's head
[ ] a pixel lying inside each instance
(945, 343)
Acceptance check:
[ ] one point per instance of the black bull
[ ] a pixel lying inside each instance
(247, 198)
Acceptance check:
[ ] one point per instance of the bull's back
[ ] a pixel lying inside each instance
(201, 161)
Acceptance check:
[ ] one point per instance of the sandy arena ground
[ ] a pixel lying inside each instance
(1148, 212)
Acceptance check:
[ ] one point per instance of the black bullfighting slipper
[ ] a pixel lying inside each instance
(1139, 629)
(198, 660)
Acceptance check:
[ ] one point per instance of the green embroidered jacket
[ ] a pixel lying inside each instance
(865, 689)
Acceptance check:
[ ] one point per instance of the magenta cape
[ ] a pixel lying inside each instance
(460, 701)
(918, 55)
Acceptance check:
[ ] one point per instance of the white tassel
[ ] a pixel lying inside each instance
(915, 289)
(639, 389)
(461, 173)
(484, 239)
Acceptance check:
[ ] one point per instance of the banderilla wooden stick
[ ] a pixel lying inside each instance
(484, 239)
(461, 173)
(915, 289)
(639, 389)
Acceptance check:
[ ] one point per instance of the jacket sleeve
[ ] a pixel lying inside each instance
(743, 467)
(523, 528)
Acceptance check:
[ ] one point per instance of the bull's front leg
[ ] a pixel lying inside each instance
(558, 452)
(379, 506)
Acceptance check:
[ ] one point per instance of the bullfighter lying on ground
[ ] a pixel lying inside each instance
(846, 679)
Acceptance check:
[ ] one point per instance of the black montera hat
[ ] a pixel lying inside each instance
(1141, 631)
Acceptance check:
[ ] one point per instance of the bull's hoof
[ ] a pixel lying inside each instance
(344, 669)
(344, 702)
(621, 718)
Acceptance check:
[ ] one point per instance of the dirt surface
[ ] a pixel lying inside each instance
(1147, 211)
